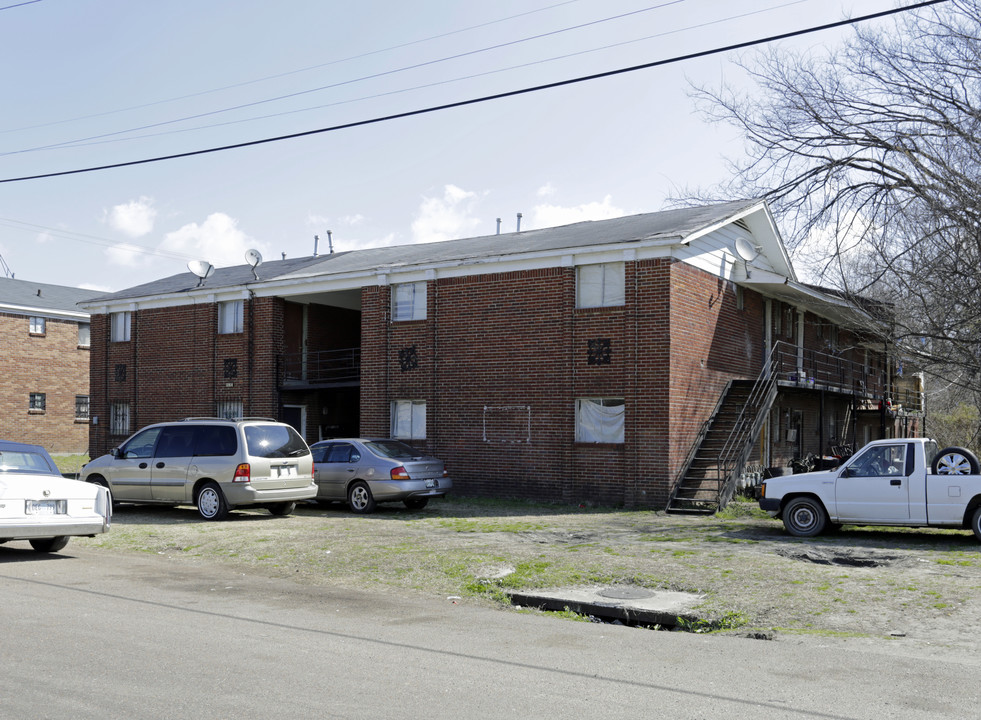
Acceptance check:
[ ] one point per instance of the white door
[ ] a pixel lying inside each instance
(875, 486)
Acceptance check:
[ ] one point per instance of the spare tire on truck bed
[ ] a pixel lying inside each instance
(955, 461)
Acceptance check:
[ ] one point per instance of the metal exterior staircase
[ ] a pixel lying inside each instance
(707, 480)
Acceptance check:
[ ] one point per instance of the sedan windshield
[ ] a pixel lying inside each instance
(392, 449)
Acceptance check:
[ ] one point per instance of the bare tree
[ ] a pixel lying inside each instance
(871, 158)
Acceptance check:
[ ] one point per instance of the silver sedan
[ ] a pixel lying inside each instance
(364, 472)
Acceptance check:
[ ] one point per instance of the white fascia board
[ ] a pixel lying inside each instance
(764, 229)
(827, 306)
(392, 275)
(29, 311)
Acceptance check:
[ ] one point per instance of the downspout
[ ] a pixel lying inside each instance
(250, 349)
(135, 340)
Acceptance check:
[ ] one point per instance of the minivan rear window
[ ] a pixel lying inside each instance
(274, 441)
(215, 441)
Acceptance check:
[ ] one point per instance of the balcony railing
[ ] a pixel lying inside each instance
(321, 368)
(826, 371)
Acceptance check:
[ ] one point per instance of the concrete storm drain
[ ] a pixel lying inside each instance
(628, 604)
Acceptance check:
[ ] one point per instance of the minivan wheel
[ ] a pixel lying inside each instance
(211, 502)
(359, 498)
(283, 508)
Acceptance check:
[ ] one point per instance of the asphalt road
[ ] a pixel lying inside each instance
(90, 634)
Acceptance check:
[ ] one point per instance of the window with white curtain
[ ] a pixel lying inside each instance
(84, 334)
(409, 301)
(409, 419)
(37, 326)
(600, 420)
(119, 326)
(230, 316)
(600, 285)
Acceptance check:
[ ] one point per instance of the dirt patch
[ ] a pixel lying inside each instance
(869, 583)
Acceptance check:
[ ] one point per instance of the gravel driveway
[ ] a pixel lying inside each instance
(912, 587)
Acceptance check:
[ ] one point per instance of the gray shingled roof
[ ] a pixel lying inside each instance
(42, 296)
(667, 224)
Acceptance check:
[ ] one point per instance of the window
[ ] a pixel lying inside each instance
(119, 328)
(409, 301)
(119, 418)
(84, 334)
(140, 445)
(82, 407)
(600, 285)
(409, 419)
(37, 402)
(37, 326)
(600, 420)
(230, 317)
(229, 409)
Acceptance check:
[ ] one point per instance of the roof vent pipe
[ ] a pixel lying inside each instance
(316, 243)
(499, 226)
(519, 222)
(330, 242)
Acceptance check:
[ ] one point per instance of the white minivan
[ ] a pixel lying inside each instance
(212, 463)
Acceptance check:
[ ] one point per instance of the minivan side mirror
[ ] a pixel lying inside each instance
(115, 452)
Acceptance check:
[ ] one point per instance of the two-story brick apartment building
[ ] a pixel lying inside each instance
(44, 367)
(592, 362)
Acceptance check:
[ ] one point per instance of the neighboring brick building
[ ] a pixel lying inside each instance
(579, 363)
(44, 368)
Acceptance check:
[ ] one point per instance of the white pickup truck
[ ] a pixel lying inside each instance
(888, 482)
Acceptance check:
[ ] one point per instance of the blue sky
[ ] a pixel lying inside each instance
(96, 82)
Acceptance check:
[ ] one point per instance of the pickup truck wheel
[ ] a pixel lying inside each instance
(955, 461)
(804, 517)
(976, 523)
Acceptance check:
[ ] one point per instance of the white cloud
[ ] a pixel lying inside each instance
(217, 240)
(547, 190)
(128, 256)
(353, 220)
(134, 218)
(446, 217)
(553, 215)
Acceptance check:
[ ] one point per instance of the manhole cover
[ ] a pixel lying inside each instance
(621, 593)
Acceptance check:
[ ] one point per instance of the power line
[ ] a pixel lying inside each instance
(288, 72)
(97, 140)
(21, 4)
(373, 76)
(486, 98)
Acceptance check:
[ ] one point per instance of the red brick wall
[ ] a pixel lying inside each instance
(52, 364)
(496, 350)
(173, 366)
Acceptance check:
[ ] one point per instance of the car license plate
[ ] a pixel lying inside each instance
(46, 507)
(286, 471)
(430, 483)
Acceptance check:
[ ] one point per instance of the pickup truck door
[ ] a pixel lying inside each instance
(874, 487)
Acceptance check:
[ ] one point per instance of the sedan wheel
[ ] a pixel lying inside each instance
(359, 498)
(53, 544)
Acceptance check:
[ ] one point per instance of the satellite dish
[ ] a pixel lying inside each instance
(254, 258)
(202, 268)
(746, 250)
